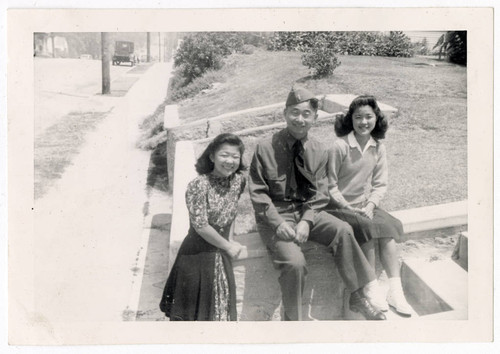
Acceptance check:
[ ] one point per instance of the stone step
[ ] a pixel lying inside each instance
(391, 314)
(437, 287)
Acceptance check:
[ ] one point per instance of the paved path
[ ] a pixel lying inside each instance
(62, 86)
(89, 227)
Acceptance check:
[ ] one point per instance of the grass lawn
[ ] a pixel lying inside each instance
(426, 142)
(56, 147)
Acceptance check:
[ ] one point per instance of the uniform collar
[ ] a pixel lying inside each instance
(290, 140)
(351, 139)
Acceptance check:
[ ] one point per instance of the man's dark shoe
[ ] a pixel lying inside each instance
(359, 303)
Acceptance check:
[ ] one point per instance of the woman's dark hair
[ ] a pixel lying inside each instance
(205, 165)
(343, 123)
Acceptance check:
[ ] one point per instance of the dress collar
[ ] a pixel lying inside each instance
(351, 139)
(220, 180)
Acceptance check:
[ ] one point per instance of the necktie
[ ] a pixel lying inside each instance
(303, 185)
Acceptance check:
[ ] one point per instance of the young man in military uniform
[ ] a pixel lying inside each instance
(289, 190)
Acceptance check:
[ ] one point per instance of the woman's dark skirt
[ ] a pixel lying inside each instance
(381, 226)
(188, 293)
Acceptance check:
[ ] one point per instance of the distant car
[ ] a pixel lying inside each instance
(86, 56)
(124, 53)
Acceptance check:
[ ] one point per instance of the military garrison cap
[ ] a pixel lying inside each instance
(299, 94)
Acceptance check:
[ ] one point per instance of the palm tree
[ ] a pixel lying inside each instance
(454, 45)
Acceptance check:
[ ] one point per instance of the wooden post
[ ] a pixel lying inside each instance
(159, 47)
(105, 59)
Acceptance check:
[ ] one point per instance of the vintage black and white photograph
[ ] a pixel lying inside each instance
(313, 175)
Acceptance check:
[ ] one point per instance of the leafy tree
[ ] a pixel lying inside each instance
(425, 47)
(397, 44)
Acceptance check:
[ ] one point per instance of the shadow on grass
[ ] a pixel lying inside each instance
(305, 79)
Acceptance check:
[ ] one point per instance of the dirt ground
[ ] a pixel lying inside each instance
(429, 249)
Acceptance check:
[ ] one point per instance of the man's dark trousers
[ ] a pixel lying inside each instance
(289, 259)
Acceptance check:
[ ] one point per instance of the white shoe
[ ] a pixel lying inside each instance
(396, 299)
(374, 295)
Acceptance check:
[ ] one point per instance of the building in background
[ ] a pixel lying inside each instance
(430, 37)
(50, 45)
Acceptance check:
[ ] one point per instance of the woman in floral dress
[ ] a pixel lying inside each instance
(201, 284)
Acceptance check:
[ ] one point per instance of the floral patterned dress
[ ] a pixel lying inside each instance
(200, 286)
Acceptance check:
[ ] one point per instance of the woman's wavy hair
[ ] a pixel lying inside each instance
(205, 165)
(343, 123)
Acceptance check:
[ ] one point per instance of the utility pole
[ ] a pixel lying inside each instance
(148, 45)
(159, 47)
(165, 46)
(105, 59)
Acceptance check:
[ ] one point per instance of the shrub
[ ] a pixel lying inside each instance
(321, 59)
(200, 52)
(352, 43)
(227, 42)
(292, 41)
(359, 43)
(319, 49)
(257, 39)
(282, 41)
(196, 55)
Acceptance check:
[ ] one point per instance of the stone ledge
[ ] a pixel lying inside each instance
(171, 116)
(433, 217)
(340, 103)
(416, 220)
